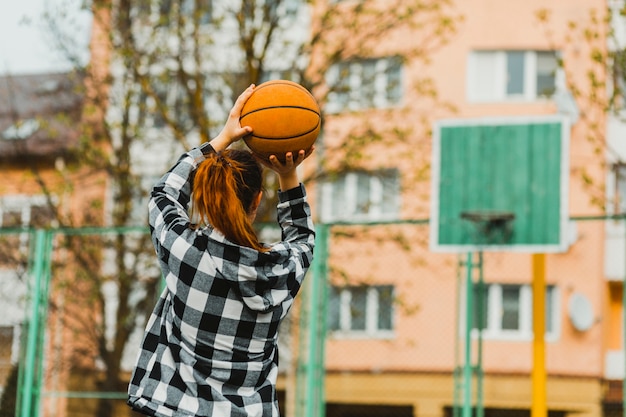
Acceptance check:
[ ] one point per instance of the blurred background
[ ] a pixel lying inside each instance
(468, 189)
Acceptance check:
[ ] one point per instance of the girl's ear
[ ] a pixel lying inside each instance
(257, 200)
(254, 206)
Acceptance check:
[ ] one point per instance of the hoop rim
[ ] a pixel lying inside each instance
(487, 215)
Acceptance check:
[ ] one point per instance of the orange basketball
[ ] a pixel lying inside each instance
(284, 116)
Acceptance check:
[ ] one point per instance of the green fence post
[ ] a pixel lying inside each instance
(480, 407)
(317, 328)
(43, 314)
(467, 367)
(31, 376)
(456, 374)
(322, 316)
(311, 370)
(301, 367)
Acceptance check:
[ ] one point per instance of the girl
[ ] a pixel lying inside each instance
(210, 346)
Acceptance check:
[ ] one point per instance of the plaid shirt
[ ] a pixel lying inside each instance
(210, 346)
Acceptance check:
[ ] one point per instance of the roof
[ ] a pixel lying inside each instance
(38, 114)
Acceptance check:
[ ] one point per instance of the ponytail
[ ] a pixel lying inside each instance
(224, 189)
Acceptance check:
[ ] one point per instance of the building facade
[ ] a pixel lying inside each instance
(396, 313)
(395, 334)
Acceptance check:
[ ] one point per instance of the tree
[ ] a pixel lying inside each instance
(600, 93)
(162, 77)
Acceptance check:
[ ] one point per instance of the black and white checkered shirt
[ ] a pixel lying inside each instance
(210, 346)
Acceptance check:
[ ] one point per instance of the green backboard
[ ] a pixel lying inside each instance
(500, 184)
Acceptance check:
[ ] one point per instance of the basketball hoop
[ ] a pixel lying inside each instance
(492, 227)
(500, 184)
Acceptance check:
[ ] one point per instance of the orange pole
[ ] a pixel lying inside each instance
(539, 376)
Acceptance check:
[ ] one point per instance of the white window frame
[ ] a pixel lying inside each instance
(22, 204)
(355, 99)
(372, 307)
(493, 330)
(475, 91)
(351, 210)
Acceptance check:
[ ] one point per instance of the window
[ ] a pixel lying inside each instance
(506, 311)
(282, 8)
(365, 83)
(620, 188)
(362, 196)
(14, 297)
(22, 211)
(9, 343)
(198, 9)
(512, 75)
(361, 309)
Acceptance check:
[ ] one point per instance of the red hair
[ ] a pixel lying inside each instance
(225, 187)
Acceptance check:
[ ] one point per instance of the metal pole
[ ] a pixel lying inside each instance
(311, 368)
(315, 368)
(303, 348)
(457, 389)
(539, 407)
(322, 279)
(43, 314)
(467, 367)
(480, 409)
(27, 405)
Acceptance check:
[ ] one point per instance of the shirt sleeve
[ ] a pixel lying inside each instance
(169, 202)
(289, 259)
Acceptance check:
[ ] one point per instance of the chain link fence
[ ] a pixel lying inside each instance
(384, 327)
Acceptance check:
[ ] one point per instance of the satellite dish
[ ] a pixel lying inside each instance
(580, 312)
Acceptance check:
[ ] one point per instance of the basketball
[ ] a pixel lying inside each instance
(284, 116)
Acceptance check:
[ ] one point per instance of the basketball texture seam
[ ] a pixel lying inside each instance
(286, 137)
(243, 116)
(253, 134)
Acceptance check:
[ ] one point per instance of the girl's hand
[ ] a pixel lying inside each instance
(287, 172)
(290, 163)
(232, 130)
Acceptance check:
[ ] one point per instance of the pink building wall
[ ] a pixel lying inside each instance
(424, 339)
